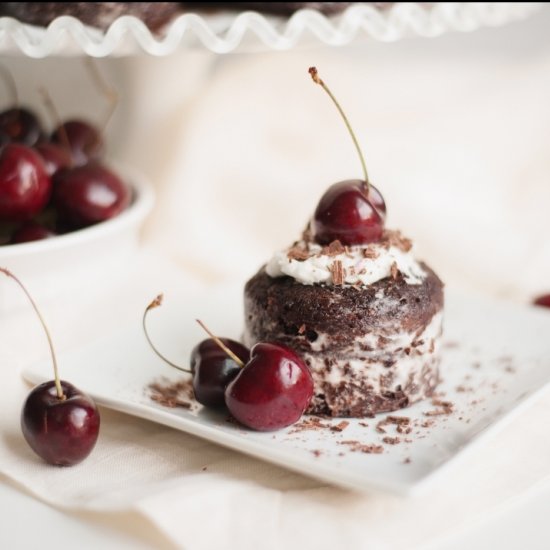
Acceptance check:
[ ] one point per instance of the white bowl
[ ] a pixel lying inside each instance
(65, 264)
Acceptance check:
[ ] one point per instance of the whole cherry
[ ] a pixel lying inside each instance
(83, 139)
(344, 213)
(17, 124)
(351, 211)
(272, 390)
(543, 301)
(31, 231)
(89, 194)
(59, 422)
(25, 187)
(55, 156)
(21, 125)
(61, 430)
(213, 369)
(214, 363)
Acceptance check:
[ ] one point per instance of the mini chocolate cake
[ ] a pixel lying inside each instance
(371, 346)
(95, 14)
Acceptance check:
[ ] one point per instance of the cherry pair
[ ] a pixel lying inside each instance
(266, 388)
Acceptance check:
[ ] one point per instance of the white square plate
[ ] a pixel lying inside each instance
(496, 358)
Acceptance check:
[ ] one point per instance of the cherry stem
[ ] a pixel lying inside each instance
(220, 344)
(317, 79)
(10, 84)
(157, 302)
(50, 106)
(60, 394)
(106, 89)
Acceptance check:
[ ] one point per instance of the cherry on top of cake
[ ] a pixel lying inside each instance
(352, 212)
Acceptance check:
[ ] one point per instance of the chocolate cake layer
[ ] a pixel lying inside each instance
(370, 349)
(95, 14)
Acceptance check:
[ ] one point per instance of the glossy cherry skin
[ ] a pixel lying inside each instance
(346, 214)
(84, 141)
(25, 187)
(272, 390)
(62, 432)
(54, 156)
(213, 369)
(543, 300)
(89, 194)
(377, 200)
(31, 231)
(20, 126)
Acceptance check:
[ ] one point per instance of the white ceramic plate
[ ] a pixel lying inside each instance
(496, 358)
(224, 32)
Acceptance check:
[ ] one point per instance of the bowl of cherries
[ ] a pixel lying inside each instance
(64, 212)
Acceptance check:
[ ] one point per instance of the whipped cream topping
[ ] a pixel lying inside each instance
(310, 263)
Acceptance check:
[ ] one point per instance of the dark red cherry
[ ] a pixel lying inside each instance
(543, 300)
(272, 390)
(25, 187)
(31, 231)
(84, 140)
(89, 194)
(346, 214)
(20, 125)
(213, 370)
(377, 200)
(61, 431)
(55, 156)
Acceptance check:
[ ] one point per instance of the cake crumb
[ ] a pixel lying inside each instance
(407, 460)
(317, 452)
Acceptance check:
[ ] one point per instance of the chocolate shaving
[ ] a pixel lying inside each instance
(312, 423)
(335, 248)
(297, 253)
(172, 394)
(445, 407)
(370, 253)
(394, 238)
(340, 427)
(402, 423)
(338, 273)
(391, 440)
(394, 270)
(307, 236)
(358, 447)
(302, 329)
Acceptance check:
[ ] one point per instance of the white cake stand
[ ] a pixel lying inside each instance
(226, 32)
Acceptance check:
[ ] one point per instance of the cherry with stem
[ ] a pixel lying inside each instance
(214, 363)
(58, 421)
(351, 211)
